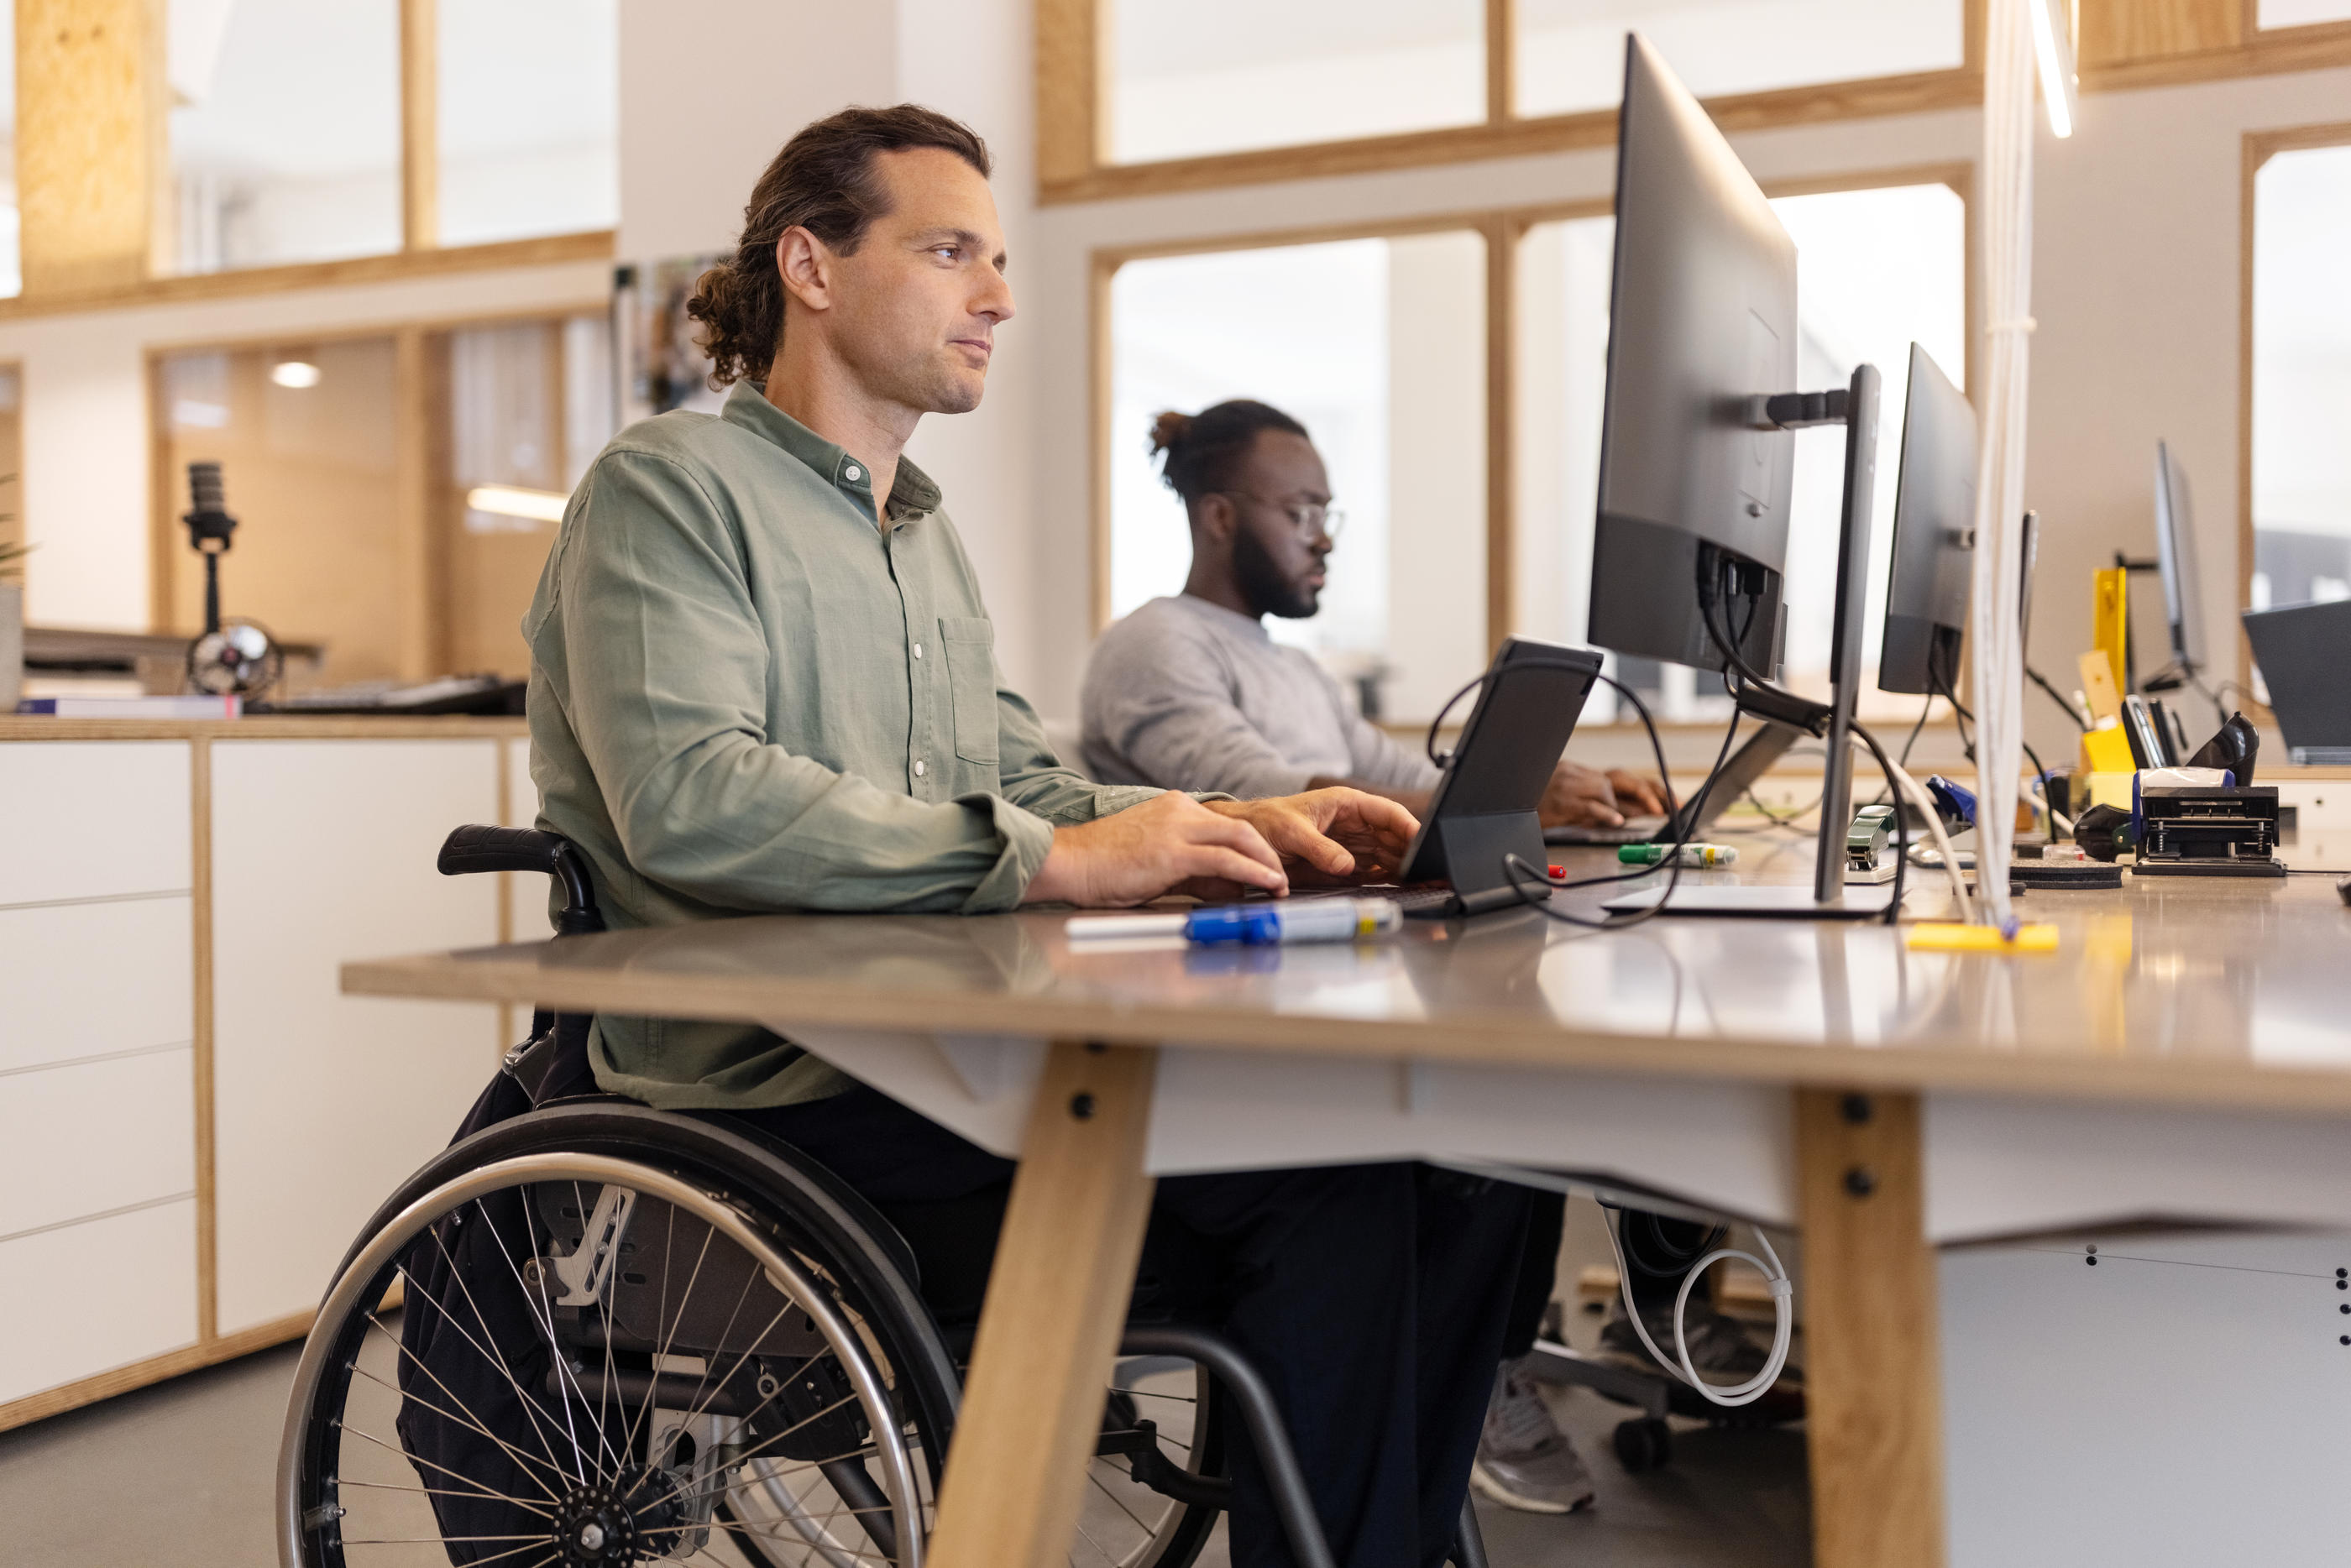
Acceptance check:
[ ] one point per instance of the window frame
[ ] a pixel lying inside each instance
(2258, 148)
(1074, 80)
(1502, 228)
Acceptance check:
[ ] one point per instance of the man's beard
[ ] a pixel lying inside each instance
(1263, 587)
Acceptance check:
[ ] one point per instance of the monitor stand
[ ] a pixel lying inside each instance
(1827, 899)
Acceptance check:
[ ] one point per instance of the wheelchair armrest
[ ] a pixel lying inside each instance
(479, 847)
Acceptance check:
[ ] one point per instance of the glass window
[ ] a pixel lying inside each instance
(303, 435)
(1219, 76)
(530, 405)
(2301, 379)
(1877, 270)
(2302, 13)
(1377, 346)
(1570, 54)
(529, 131)
(275, 159)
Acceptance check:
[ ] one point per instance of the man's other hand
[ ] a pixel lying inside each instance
(1579, 797)
(1330, 836)
(1169, 843)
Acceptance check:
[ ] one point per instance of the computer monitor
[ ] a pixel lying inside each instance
(1929, 581)
(1702, 325)
(2175, 546)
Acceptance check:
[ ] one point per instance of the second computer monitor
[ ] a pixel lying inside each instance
(2175, 546)
(1701, 325)
(1927, 582)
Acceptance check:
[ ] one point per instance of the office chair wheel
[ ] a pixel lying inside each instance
(1643, 1444)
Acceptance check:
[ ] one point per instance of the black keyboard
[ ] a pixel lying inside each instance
(1629, 834)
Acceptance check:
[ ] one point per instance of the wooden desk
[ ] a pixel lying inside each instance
(2184, 1055)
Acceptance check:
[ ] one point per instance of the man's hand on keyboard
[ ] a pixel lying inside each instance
(1328, 837)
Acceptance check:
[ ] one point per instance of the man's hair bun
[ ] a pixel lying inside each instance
(1198, 452)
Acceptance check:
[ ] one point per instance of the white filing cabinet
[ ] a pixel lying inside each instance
(97, 1169)
(193, 1120)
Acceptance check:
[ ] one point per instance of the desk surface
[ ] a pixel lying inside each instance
(2209, 991)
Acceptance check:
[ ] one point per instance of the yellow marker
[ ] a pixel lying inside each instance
(1946, 937)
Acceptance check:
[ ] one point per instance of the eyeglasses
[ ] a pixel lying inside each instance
(1309, 517)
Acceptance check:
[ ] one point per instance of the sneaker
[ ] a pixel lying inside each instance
(1524, 1460)
(1719, 1346)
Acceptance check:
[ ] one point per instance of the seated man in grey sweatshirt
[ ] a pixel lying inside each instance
(1189, 692)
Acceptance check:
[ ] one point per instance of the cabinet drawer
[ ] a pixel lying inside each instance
(113, 819)
(81, 1299)
(87, 980)
(81, 1139)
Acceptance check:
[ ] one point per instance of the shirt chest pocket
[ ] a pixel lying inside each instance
(970, 644)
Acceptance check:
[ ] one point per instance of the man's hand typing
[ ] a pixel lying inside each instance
(1173, 844)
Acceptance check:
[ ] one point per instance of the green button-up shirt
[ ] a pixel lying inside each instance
(747, 695)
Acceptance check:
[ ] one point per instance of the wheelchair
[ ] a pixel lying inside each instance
(592, 1332)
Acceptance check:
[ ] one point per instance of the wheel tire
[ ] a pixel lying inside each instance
(1643, 1444)
(803, 1210)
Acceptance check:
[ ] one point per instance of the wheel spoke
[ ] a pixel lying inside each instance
(496, 1357)
(470, 1421)
(546, 1322)
(444, 1469)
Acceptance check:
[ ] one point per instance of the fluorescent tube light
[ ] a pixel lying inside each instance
(298, 374)
(2053, 48)
(513, 501)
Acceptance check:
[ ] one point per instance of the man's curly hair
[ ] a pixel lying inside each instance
(823, 181)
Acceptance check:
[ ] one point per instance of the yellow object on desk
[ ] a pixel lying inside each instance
(1942, 936)
(2108, 751)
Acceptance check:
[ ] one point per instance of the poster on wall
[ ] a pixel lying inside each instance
(661, 366)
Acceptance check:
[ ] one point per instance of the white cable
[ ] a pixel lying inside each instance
(1783, 1318)
(1996, 636)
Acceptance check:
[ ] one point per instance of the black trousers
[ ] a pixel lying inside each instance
(1659, 1251)
(1371, 1298)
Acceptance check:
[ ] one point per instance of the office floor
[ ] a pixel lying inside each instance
(179, 1473)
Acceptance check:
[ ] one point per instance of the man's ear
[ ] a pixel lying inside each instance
(1214, 518)
(806, 266)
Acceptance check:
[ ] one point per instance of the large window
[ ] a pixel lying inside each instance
(1878, 269)
(529, 131)
(1377, 346)
(1220, 75)
(1223, 77)
(2301, 379)
(1570, 53)
(276, 157)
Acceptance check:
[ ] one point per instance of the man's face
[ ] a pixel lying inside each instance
(1280, 564)
(915, 310)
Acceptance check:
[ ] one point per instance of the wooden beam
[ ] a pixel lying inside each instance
(1874, 1410)
(1502, 428)
(2116, 32)
(420, 125)
(89, 139)
(1072, 87)
(419, 591)
(1501, 60)
(1056, 1302)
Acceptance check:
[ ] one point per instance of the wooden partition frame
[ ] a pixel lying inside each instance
(2259, 147)
(1502, 229)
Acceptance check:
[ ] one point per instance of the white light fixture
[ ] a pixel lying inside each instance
(298, 374)
(2052, 49)
(513, 501)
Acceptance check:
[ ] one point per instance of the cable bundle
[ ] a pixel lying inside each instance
(1997, 649)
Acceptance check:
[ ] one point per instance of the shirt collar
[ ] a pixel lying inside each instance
(911, 496)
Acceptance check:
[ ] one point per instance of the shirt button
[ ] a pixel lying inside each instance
(918, 650)
(918, 767)
(852, 474)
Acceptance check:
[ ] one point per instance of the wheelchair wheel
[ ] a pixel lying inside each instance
(599, 1334)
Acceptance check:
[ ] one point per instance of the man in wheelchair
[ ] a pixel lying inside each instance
(763, 680)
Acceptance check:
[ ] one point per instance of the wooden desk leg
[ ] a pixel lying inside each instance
(1872, 1347)
(1056, 1302)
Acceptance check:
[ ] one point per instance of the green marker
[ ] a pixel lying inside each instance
(1700, 856)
